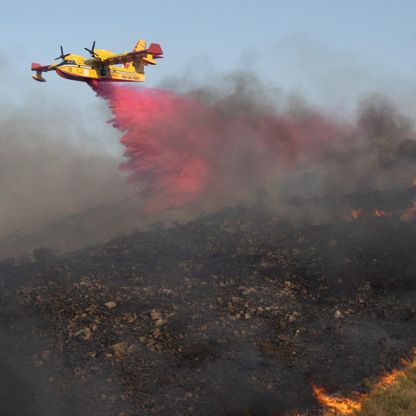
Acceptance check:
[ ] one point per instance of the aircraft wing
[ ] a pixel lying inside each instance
(154, 51)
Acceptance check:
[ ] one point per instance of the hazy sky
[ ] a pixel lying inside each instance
(330, 51)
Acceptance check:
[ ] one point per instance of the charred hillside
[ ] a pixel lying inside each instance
(234, 313)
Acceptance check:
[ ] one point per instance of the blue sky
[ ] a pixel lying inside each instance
(330, 51)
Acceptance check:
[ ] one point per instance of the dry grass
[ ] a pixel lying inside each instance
(398, 398)
(394, 394)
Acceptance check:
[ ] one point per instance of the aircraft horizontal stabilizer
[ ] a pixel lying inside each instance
(38, 77)
(148, 59)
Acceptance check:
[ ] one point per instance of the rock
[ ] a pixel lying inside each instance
(130, 317)
(248, 290)
(111, 305)
(159, 322)
(156, 333)
(337, 314)
(120, 348)
(87, 334)
(293, 317)
(155, 314)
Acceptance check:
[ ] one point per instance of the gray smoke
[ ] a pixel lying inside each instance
(375, 150)
(53, 168)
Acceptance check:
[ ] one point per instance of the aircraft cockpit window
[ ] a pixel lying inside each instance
(69, 61)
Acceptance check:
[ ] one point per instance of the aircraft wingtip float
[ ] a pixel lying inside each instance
(103, 65)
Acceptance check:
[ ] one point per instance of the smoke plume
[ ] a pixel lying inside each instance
(210, 147)
(190, 149)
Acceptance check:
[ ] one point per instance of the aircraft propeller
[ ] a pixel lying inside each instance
(62, 55)
(91, 51)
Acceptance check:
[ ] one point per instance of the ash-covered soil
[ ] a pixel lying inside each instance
(235, 313)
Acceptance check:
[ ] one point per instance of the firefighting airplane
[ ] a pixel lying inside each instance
(103, 65)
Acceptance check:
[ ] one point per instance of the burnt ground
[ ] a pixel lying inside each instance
(235, 313)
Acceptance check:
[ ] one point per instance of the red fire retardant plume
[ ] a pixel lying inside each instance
(182, 151)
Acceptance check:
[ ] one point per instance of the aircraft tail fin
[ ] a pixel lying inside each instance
(140, 45)
(39, 69)
(153, 52)
(155, 49)
(138, 66)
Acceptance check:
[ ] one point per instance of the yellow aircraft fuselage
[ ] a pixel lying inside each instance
(75, 67)
(103, 65)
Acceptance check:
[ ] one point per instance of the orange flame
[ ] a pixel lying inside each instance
(379, 213)
(338, 405)
(409, 214)
(392, 377)
(356, 213)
